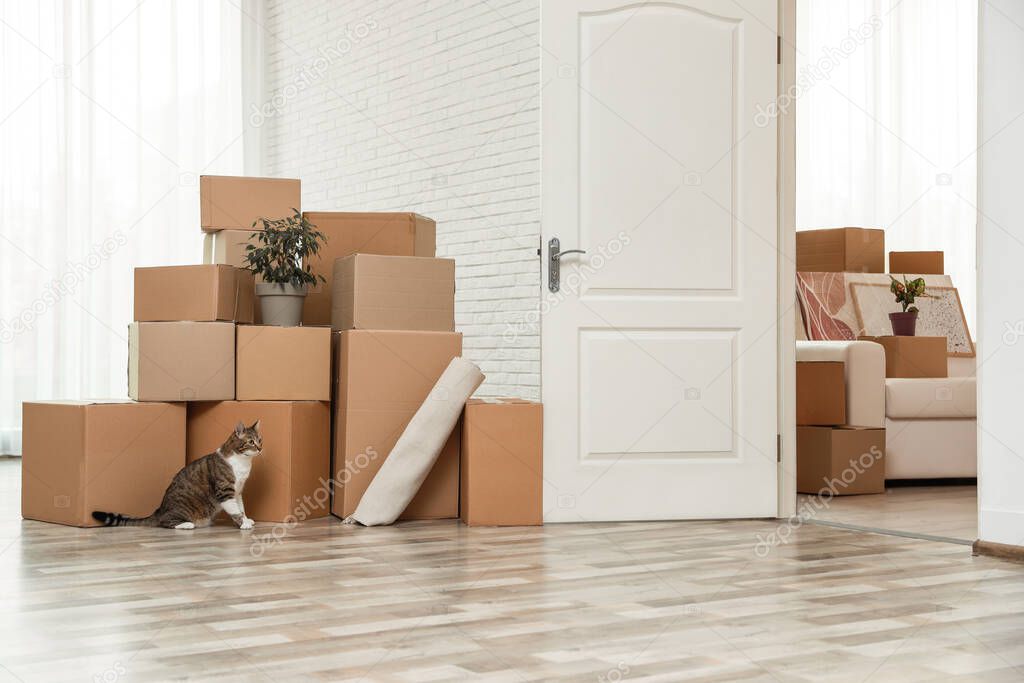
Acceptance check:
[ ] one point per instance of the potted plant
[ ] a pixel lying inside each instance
(904, 323)
(281, 261)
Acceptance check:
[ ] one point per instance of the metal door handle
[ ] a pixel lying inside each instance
(555, 262)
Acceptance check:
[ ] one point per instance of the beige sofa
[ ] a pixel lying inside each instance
(931, 424)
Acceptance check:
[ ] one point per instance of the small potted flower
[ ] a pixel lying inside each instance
(281, 260)
(904, 323)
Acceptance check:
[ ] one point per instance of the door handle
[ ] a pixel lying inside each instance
(555, 262)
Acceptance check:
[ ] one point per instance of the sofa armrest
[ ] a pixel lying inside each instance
(864, 364)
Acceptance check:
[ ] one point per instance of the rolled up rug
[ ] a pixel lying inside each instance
(417, 449)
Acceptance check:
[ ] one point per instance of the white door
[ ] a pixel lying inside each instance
(659, 350)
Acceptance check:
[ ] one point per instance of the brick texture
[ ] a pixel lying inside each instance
(430, 107)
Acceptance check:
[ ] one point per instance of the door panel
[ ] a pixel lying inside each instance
(659, 352)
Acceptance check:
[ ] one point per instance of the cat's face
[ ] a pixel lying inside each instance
(247, 441)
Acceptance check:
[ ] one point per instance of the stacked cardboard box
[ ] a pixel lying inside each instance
(833, 458)
(913, 356)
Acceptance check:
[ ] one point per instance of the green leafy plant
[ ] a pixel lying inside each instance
(285, 245)
(906, 292)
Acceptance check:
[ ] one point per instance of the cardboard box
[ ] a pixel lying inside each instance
(372, 292)
(200, 293)
(820, 393)
(841, 250)
(914, 356)
(227, 247)
(501, 477)
(282, 363)
(235, 202)
(840, 460)
(181, 361)
(290, 480)
(107, 456)
(383, 376)
(387, 234)
(917, 262)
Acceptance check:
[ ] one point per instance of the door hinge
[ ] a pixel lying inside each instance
(778, 50)
(778, 448)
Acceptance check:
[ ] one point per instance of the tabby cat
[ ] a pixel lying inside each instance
(204, 487)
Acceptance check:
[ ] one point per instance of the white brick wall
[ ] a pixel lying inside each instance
(428, 106)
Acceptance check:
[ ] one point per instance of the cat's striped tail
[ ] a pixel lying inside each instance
(115, 519)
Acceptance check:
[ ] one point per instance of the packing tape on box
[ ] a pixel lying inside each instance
(416, 451)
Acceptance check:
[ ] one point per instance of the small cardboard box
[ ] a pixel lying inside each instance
(820, 393)
(227, 247)
(372, 292)
(917, 262)
(282, 363)
(200, 293)
(383, 376)
(501, 474)
(840, 460)
(914, 356)
(236, 202)
(181, 361)
(841, 250)
(107, 456)
(387, 234)
(290, 479)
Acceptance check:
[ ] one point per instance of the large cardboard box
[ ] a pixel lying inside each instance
(820, 393)
(383, 376)
(372, 292)
(914, 356)
(199, 293)
(107, 456)
(181, 361)
(282, 363)
(841, 250)
(840, 460)
(290, 480)
(235, 202)
(917, 262)
(502, 465)
(387, 234)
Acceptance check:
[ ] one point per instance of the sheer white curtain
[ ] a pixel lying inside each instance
(109, 111)
(887, 124)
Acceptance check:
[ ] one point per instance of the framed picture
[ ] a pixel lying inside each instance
(941, 315)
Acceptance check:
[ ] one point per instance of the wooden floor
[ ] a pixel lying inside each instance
(701, 601)
(947, 511)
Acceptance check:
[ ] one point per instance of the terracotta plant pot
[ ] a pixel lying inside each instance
(903, 324)
(281, 305)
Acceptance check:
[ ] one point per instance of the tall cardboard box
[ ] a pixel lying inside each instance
(820, 393)
(282, 363)
(108, 456)
(841, 250)
(388, 234)
(290, 479)
(372, 292)
(917, 262)
(914, 356)
(840, 460)
(200, 293)
(236, 202)
(502, 465)
(181, 361)
(383, 376)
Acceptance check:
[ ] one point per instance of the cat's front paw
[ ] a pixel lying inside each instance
(246, 524)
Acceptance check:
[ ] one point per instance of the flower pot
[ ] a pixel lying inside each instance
(903, 324)
(281, 304)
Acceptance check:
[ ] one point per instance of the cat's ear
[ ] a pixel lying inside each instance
(240, 429)
(255, 426)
